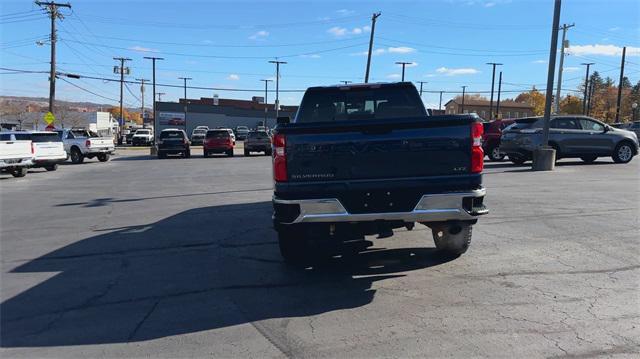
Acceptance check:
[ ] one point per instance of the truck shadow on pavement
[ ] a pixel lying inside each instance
(201, 269)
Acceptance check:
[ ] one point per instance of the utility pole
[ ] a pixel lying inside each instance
(464, 88)
(624, 53)
(52, 9)
(499, 90)
(493, 81)
(586, 88)
(160, 96)
(346, 82)
(403, 64)
(421, 82)
(544, 157)
(277, 104)
(373, 30)
(185, 101)
(122, 71)
(563, 45)
(266, 101)
(155, 118)
(440, 105)
(592, 89)
(142, 98)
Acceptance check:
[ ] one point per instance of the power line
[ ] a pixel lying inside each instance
(85, 90)
(458, 48)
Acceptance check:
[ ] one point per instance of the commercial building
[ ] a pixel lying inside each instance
(508, 109)
(214, 112)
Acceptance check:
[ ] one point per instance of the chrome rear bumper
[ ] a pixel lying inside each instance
(430, 208)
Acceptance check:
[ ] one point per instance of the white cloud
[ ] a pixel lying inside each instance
(539, 62)
(571, 69)
(490, 4)
(455, 72)
(142, 49)
(375, 52)
(602, 50)
(401, 50)
(312, 56)
(394, 76)
(338, 31)
(615, 28)
(259, 35)
(233, 77)
(345, 12)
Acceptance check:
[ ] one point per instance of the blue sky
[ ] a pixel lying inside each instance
(229, 44)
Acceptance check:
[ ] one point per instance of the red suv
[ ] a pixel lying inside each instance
(218, 141)
(491, 138)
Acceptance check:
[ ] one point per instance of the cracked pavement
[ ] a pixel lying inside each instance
(177, 258)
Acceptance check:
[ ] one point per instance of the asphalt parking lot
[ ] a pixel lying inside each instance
(139, 257)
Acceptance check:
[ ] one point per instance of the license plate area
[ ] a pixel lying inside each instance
(381, 201)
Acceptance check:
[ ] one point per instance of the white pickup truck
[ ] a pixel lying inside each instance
(48, 149)
(15, 155)
(80, 143)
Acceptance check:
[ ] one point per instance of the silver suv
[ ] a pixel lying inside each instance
(572, 137)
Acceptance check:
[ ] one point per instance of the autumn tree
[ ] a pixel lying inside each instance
(571, 105)
(115, 112)
(535, 99)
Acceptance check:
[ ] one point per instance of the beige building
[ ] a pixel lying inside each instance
(508, 109)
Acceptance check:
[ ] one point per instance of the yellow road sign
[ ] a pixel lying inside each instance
(49, 118)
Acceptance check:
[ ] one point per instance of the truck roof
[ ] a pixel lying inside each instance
(372, 85)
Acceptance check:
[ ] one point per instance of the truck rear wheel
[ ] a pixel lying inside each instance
(293, 246)
(453, 240)
(103, 157)
(20, 172)
(52, 167)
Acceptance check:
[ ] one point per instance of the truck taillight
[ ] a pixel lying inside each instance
(477, 153)
(32, 150)
(279, 158)
(87, 143)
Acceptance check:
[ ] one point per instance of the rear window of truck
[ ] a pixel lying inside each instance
(257, 134)
(45, 137)
(219, 134)
(354, 103)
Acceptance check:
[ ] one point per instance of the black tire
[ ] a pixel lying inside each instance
(230, 153)
(103, 157)
(517, 160)
(293, 246)
(162, 155)
(52, 167)
(495, 154)
(76, 156)
(247, 153)
(267, 153)
(453, 243)
(589, 159)
(20, 172)
(623, 153)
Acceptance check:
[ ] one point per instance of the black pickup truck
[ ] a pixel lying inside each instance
(366, 159)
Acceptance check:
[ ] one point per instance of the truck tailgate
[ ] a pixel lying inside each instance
(15, 149)
(421, 147)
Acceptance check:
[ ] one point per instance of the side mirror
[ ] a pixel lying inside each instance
(283, 120)
(606, 128)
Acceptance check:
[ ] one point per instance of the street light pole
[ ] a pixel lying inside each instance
(403, 64)
(493, 81)
(277, 85)
(185, 102)
(586, 88)
(464, 88)
(266, 101)
(155, 118)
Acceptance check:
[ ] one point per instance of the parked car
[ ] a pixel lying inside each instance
(491, 138)
(48, 149)
(367, 159)
(16, 155)
(173, 141)
(80, 143)
(257, 141)
(142, 137)
(233, 136)
(128, 137)
(635, 127)
(571, 136)
(218, 141)
(241, 132)
(197, 136)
